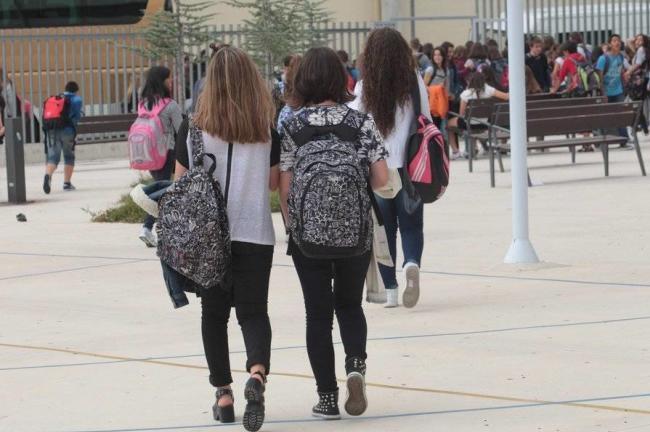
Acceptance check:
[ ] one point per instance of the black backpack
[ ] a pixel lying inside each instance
(329, 199)
(193, 229)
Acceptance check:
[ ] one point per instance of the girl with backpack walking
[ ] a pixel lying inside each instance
(388, 99)
(331, 156)
(156, 100)
(232, 127)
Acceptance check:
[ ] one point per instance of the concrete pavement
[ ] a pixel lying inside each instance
(89, 340)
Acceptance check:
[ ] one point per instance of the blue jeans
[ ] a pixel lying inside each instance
(411, 232)
(620, 98)
(60, 140)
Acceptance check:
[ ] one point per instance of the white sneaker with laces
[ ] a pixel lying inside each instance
(148, 237)
(412, 290)
(392, 298)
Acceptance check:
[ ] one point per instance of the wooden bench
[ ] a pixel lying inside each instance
(483, 111)
(503, 108)
(104, 128)
(568, 121)
(477, 111)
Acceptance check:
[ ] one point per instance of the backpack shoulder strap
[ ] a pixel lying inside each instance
(196, 140)
(415, 99)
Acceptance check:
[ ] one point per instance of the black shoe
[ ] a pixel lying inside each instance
(67, 186)
(225, 414)
(46, 183)
(328, 406)
(356, 402)
(254, 394)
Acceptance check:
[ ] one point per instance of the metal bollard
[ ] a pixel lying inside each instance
(15, 153)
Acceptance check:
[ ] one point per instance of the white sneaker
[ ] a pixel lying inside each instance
(392, 296)
(412, 290)
(148, 237)
(456, 155)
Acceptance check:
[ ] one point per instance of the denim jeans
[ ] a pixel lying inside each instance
(165, 173)
(620, 98)
(60, 140)
(411, 232)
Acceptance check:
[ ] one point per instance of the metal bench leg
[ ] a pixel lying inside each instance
(469, 144)
(492, 174)
(605, 148)
(500, 157)
(639, 155)
(573, 154)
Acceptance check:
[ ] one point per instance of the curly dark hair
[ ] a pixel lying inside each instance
(389, 74)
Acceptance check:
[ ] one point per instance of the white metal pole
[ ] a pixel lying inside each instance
(521, 249)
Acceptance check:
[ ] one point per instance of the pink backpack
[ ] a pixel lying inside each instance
(427, 156)
(147, 148)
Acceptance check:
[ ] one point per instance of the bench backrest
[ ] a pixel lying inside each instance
(105, 124)
(481, 108)
(575, 119)
(504, 108)
(542, 96)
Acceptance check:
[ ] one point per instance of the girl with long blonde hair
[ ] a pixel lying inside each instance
(233, 119)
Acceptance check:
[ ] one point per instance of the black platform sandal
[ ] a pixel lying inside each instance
(254, 394)
(225, 414)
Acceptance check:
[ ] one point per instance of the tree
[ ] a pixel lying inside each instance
(168, 34)
(277, 28)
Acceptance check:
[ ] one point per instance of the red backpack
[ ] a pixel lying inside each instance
(427, 155)
(56, 112)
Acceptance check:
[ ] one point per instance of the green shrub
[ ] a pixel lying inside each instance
(127, 211)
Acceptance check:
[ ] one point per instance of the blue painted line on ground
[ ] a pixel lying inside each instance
(67, 270)
(386, 416)
(431, 272)
(385, 338)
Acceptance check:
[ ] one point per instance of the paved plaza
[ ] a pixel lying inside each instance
(89, 340)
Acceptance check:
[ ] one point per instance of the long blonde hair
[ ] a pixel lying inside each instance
(235, 103)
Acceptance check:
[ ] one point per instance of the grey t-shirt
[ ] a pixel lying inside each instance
(171, 117)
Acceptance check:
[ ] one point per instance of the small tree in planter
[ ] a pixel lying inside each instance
(280, 27)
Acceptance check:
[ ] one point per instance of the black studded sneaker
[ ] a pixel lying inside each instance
(328, 406)
(356, 402)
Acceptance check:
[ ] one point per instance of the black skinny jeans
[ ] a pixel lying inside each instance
(164, 173)
(251, 269)
(322, 300)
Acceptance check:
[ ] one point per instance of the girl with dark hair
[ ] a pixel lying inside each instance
(477, 88)
(439, 88)
(156, 94)
(319, 94)
(637, 76)
(389, 80)
(478, 56)
(499, 66)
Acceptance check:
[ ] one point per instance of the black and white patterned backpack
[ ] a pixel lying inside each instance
(329, 203)
(193, 229)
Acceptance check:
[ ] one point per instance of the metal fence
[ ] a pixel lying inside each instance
(595, 19)
(108, 69)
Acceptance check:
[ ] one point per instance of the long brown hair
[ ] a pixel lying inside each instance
(388, 76)
(235, 103)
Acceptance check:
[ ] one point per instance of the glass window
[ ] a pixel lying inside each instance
(59, 13)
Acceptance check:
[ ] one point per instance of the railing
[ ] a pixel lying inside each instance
(108, 70)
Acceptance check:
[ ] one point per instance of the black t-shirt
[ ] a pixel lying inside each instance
(182, 156)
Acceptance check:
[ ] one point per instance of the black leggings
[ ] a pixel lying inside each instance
(251, 269)
(322, 300)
